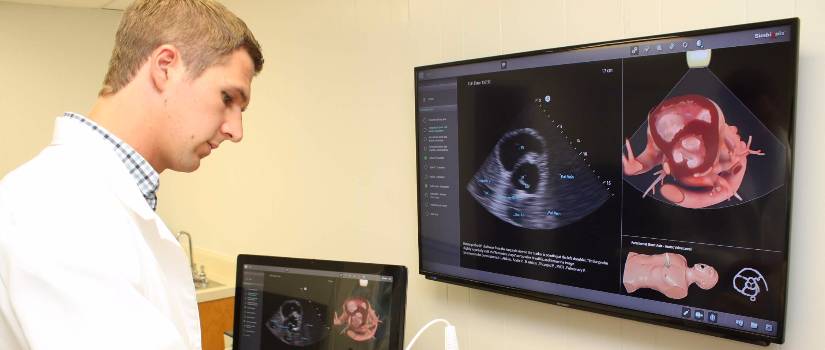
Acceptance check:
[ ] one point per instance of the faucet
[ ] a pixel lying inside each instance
(188, 243)
(197, 277)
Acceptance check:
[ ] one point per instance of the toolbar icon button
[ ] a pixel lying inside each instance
(686, 312)
(768, 327)
(754, 325)
(699, 315)
(740, 323)
(712, 317)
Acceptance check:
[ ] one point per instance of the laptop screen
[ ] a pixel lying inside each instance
(286, 303)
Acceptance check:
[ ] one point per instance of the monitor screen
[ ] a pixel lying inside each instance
(289, 303)
(647, 178)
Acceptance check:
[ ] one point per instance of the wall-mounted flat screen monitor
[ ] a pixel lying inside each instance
(647, 178)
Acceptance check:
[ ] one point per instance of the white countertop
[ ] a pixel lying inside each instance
(218, 268)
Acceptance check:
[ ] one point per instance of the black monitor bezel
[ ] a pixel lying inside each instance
(687, 325)
(399, 285)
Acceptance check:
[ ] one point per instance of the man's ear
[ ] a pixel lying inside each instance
(165, 66)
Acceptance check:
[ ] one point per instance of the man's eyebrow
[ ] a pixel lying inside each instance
(244, 98)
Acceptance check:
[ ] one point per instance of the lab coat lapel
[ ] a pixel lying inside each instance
(168, 252)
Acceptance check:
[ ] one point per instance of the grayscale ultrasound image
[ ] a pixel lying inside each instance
(299, 323)
(535, 182)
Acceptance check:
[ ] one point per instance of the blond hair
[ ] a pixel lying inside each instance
(204, 31)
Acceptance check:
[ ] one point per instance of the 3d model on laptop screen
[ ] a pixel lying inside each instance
(291, 303)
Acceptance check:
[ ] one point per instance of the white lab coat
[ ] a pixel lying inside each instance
(85, 263)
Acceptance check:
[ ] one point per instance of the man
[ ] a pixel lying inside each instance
(85, 262)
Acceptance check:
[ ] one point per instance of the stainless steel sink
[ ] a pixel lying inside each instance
(209, 284)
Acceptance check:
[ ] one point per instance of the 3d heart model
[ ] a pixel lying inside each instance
(704, 157)
(358, 318)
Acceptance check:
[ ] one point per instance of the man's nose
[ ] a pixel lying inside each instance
(233, 128)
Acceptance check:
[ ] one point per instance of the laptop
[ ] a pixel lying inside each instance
(293, 303)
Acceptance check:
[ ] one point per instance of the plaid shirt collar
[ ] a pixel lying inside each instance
(146, 178)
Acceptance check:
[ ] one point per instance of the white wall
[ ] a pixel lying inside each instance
(51, 60)
(327, 170)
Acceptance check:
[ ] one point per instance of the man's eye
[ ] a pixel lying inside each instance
(226, 98)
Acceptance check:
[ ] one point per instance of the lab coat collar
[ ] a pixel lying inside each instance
(72, 133)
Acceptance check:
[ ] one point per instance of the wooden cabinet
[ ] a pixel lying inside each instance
(216, 318)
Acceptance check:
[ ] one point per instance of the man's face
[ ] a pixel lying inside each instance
(202, 113)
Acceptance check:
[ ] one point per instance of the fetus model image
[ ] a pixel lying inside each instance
(358, 318)
(667, 273)
(705, 156)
